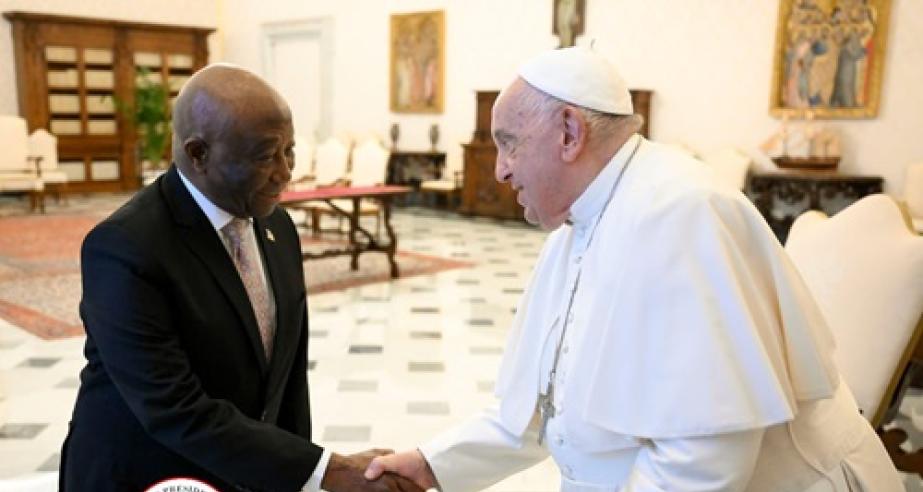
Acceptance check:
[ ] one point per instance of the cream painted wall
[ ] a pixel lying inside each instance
(708, 61)
(202, 13)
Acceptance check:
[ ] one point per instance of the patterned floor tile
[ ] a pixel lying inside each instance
(359, 386)
(53, 463)
(347, 433)
(486, 350)
(68, 383)
(485, 386)
(39, 362)
(427, 408)
(425, 335)
(365, 349)
(426, 367)
(21, 431)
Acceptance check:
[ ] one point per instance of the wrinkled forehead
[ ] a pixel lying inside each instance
(512, 110)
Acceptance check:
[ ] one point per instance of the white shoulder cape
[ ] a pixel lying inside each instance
(695, 321)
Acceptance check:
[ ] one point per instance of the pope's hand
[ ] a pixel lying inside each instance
(345, 474)
(409, 464)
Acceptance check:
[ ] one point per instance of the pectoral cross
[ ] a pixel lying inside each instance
(546, 409)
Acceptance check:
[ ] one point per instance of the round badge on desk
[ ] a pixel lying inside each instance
(180, 484)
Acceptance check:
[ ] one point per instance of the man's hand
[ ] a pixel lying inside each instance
(409, 464)
(345, 474)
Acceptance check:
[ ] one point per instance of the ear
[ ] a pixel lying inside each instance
(196, 150)
(574, 134)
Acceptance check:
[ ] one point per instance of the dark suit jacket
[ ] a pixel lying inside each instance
(176, 382)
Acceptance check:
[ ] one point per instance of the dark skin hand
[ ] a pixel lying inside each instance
(346, 474)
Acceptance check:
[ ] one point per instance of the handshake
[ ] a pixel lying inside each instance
(379, 470)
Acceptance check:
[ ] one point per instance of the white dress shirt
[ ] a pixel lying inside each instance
(218, 219)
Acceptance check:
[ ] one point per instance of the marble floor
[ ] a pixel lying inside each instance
(391, 364)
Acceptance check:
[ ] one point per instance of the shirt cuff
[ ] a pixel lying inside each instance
(313, 484)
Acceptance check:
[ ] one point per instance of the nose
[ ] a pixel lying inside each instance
(284, 168)
(501, 171)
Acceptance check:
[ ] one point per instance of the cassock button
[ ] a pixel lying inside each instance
(566, 349)
(568, 471)
(570, 317)
(559, 441)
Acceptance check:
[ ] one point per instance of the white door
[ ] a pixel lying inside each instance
(296, 63)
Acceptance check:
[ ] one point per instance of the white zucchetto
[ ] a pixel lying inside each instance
(578, 75)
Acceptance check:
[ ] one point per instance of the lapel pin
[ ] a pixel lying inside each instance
(270, 236)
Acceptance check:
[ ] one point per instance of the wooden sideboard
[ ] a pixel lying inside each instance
(481, 193)
(410, 168)
(805, 190)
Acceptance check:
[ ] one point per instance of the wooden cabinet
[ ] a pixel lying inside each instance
(482, 194)
(800, 191)
(70, 71)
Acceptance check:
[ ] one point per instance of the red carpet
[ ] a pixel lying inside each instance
(40, 271)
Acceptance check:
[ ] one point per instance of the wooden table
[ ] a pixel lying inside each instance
(815, 187)
(354, 247)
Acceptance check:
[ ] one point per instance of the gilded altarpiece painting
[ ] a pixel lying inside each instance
(418, 62)
(829, 58)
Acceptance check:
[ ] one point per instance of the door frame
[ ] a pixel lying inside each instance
(320, 29)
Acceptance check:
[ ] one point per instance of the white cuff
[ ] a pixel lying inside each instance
(317, 477)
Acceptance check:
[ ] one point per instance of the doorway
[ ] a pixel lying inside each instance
(297, 61)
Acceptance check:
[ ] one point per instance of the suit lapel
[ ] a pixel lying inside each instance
(203, 242)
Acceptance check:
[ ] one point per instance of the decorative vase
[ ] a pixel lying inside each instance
(433, 136)
(395, 134)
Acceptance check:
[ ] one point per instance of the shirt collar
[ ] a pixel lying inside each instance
(594, 198)
(216, 216)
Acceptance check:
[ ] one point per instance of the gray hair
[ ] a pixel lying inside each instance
(541, 107)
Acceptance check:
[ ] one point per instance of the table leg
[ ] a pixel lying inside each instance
(315, 222)
(353, 230)
(391, 248)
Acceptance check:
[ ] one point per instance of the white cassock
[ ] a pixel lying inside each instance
(693, 360)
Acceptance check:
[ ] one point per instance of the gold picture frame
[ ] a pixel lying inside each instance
(829, 58)
(418, 62)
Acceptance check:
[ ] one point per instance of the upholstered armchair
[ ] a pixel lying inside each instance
(864, 267)
(303, 171)
(330, 162)
(20, 172)
(45, 145)
(368, 166)
(449, 187)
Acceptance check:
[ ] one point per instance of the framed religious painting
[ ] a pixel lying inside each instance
(568, 21)
(418, 62)
(829, 58)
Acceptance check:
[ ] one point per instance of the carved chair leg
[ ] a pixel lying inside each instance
(911, 462)
(906, 462)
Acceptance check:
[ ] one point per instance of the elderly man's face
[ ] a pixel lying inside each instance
(528, 158)
(250, 162)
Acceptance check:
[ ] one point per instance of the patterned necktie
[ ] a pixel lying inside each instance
(244, 253)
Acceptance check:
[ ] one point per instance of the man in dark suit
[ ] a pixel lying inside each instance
(195, 312)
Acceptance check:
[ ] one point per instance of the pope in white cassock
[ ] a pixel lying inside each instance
(665, 341)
